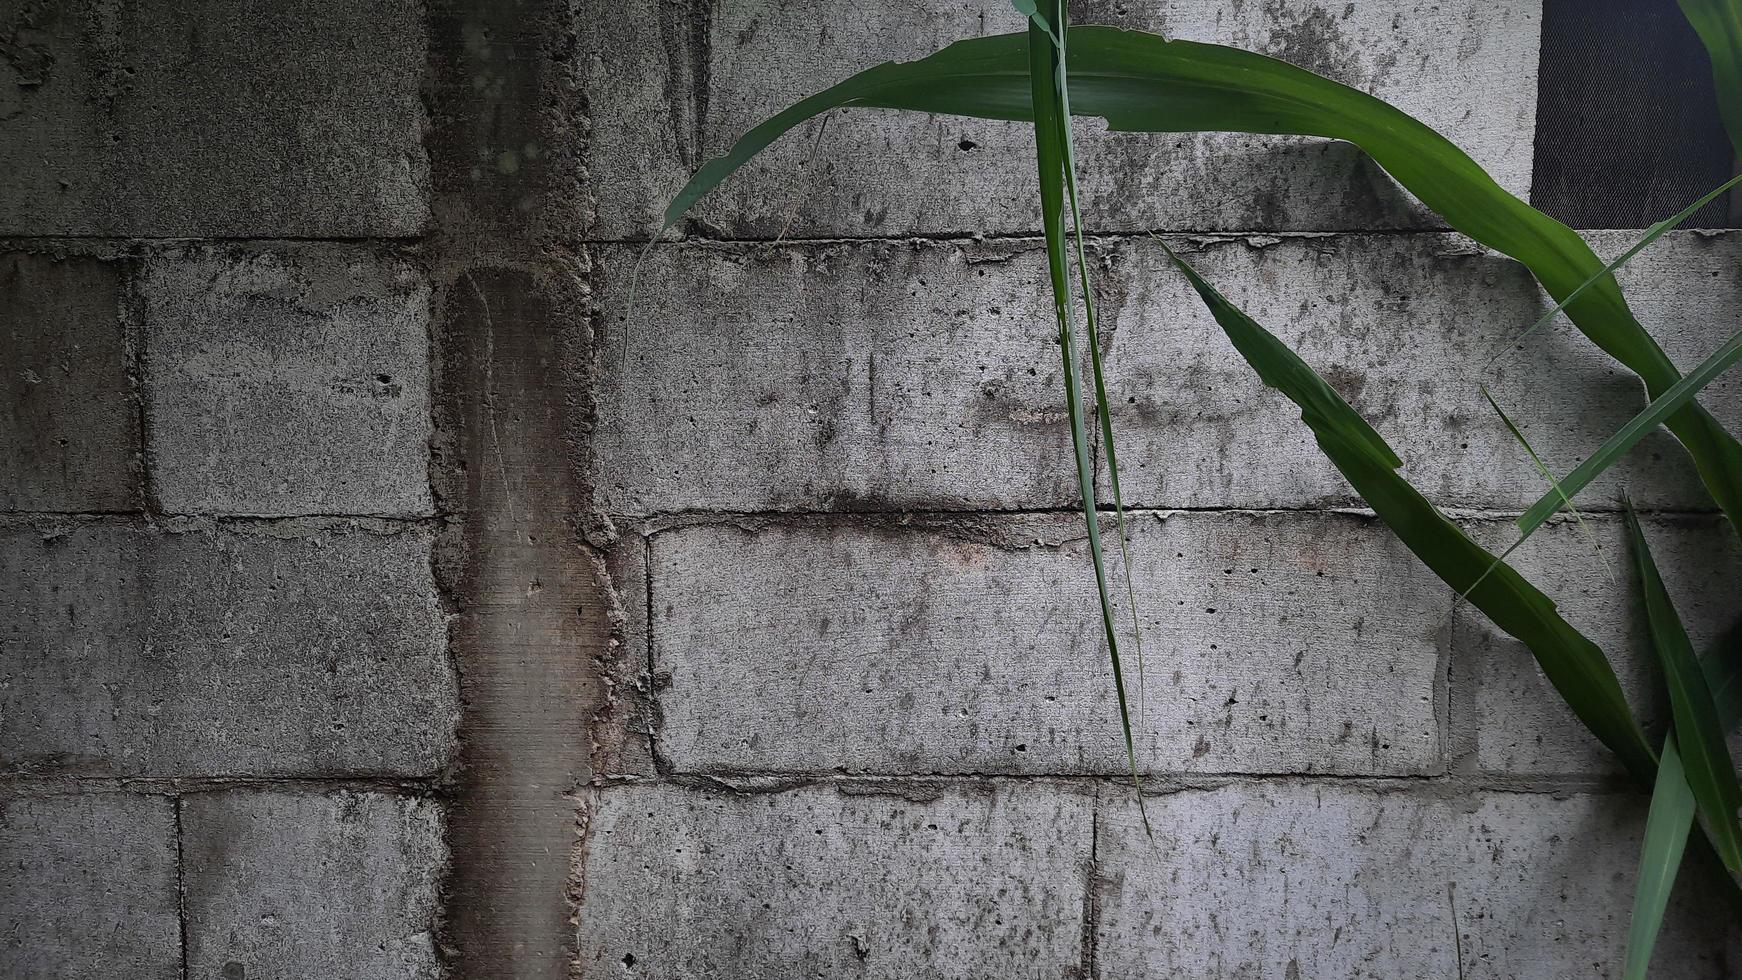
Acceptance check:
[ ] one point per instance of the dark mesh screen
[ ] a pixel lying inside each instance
(1627, 129)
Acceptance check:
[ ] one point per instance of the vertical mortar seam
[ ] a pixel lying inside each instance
(181, 890)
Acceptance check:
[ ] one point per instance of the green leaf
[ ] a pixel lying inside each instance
(1652, 234)
(1575, 666)
(1660, 857)
(1047, 29)
(1628, 436)
(1719, 25)
(1143, 82)
(1700, 735)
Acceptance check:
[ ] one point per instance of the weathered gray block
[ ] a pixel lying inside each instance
(850, 377)
(69, 423)
(208, 118)
(1467, 68)
(1403, 327)
(282, 886)
(1512, 719)
(946, 881)
(89, 887)
(291, 381)
(1273, 643)
(885, 375)
(128, 651)
(1286, 879)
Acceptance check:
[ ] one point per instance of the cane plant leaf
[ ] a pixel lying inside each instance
(1710, 772)
(1667, 824)
(1577, 667)
(1051, 138)
(1628, 436)
(1719, 25)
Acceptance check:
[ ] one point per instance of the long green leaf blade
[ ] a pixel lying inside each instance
(1660, 856)
(1628, 436)
(1700, 736)
(1050, 137)
(1145, 83)
(1575, 666)
(1672, 809)
(1719, 25)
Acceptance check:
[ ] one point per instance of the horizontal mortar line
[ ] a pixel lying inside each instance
(7, 241)
(1034, 235)
(1107, 511)
(159, 517)
(1154, 783)
(61, 784)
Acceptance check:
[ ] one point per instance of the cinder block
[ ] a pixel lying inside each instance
(69, 421)
(1405, 327)
(945, 881)
(89, 887)
(1466, 68)
(128, 651)
(888, 376)
(848, 377)
(1517, 723)
(1272, 643)
(206, 118)
(282, 886)
(291, 381)
(1285, 879)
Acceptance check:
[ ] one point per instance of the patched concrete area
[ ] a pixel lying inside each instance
(1274, 643)
(286, 885)
(287, 381)
(1294, 879)
(944, 881)
(851, 377)
(89, 887)
(205, 118)
(133, 651)
(69, 419)
(1466, 68)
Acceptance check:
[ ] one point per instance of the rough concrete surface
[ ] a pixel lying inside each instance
(208, 118)
(135, 651)
(291, 885)
(1290, 879)
(69, 419)
(1467, 68)
(287, 381)
(1274, 643)
(89, 887)
(923, 375)
(950, 881)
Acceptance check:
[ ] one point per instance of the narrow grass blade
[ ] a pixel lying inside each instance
(1103, 408)
(1575, 666)
(1719, 25)
(1541, 468)
(1628, 436)
(1711, 774)
(1045, 29)
(1652, 234)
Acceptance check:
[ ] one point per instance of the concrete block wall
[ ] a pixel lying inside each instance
(833, 423)
(226, 697)
(379, 598)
